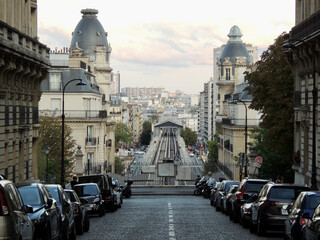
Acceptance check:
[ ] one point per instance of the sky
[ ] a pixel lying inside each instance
(167, 43)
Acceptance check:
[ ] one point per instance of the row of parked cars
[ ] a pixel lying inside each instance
(47, 211)
(262, 205)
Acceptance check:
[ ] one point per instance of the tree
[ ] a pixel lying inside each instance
(189, 137)
(50, 135)
(122, 134)
(119, 166)
(211, 164)
(145, 136)
(154, 118)
(272, 90)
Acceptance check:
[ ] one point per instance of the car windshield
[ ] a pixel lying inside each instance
(86, 190)
(70, 196)
(30, 196)
(54, 193)
(228, 185)
(254, 187)
(312, 202)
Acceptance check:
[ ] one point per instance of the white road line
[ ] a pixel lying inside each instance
(172, 234)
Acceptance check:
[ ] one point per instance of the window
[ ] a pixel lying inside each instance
(89, 132)
(55, 81)
(228, 74)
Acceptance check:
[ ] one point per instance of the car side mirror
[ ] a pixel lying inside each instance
(29, 209)
(254, 197)
(49, 203)
(306, 215)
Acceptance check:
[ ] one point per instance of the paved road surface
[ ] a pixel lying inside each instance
(171, 217)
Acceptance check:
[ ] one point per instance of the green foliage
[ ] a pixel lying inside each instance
(154, 118)
(119, 166)
(145, 136)
(211, 164)
(272, 89)
(189, 137)
(273, 164)
(50, 135)
(123, 134)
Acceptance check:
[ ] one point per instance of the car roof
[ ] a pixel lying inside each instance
(257, 180)
(85, 184)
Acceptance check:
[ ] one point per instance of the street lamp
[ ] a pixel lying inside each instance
(80, 83)
(288, 45)
(246, 136)
(47, 150)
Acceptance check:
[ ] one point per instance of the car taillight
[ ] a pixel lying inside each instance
(303, 221)
(270, 203)
(75, 208)
(239, 195)
(107, 198)
(5, 210)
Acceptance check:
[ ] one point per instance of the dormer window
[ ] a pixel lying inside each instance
(55, 81)
(227, 73)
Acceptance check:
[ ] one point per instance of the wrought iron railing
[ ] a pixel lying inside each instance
(76, 113)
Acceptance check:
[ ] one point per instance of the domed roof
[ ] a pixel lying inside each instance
(235, 47)
(89, 32)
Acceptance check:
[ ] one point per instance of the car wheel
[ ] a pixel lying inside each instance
(245, 223)
(119, 206)
(86, 223)
(252, 227)
(260, 228)
(80, 228)
(73, 233)
(230, 215)
(101, 211)
(235, 216)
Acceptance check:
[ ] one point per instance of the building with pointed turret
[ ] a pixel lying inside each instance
(87, 108)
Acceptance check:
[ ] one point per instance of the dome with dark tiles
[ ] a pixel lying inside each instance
(89, 33)
(235, 47)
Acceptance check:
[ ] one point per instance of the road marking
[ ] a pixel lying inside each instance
(172, 234)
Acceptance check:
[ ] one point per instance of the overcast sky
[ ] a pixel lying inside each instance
(167, 43)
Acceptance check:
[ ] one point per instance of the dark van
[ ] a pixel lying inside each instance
(104, 182)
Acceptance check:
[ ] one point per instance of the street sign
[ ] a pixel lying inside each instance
(257, 165)
(259, 160)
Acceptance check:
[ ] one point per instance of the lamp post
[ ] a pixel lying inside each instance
(289, 45)
(47, 150)
(80, 83)
(245, 137)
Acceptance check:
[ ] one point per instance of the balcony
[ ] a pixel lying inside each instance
(91, 141)
(79, 114)
(307, 27)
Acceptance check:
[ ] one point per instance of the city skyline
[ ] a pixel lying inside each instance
(166, 44)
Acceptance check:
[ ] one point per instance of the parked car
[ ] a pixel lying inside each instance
(118, 191)
(46, 216)
(213, 194)
(105, 185)
(246, 188)
(245, 211)
(312, 228)
(90, 195)
(226, 202)
(222, 192)
(81, 217)
(306, 202)
(67, 220)
(14, 220)
(267, 207)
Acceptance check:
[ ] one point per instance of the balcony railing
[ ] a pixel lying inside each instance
(307, 27)
(85, 114)
(240, 121)
(91, 141)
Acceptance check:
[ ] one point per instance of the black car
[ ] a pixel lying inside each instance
(246, 188)
(46, 213)
(68, 225)
(90, 195)
(312, 228)
(222, 192)
(305, 203)
(266, 210)
(105, 185)
(212, 196)
(81, 216)
(227, 200)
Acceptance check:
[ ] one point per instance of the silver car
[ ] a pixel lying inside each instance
(14, 220)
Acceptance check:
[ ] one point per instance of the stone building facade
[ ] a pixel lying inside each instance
(24, 62)
(304, 57)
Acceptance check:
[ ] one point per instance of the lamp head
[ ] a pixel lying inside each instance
(288, 46)
(80, 83)
(46, 150)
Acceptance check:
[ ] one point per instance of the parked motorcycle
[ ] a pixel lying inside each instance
(207, 187)
(126, 189)
(199, 186)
